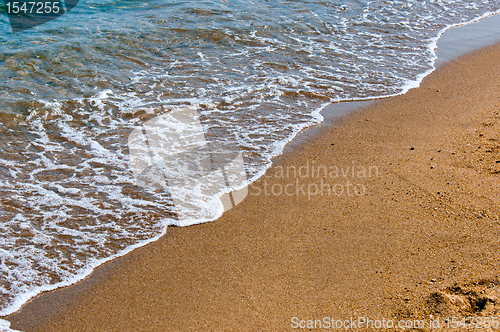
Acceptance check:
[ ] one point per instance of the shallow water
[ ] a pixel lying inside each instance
(74, 89)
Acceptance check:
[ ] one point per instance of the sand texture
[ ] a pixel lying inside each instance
(414, 233)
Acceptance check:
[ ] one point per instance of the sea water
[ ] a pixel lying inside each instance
(256, 71)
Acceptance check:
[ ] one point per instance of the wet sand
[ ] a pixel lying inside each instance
(419, 215)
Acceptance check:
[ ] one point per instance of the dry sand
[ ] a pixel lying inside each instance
(422, 240)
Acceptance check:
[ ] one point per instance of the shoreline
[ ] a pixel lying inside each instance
(453, 42)
(457, 39)
(107, 269)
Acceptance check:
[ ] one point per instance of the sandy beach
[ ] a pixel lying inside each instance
(391, 212)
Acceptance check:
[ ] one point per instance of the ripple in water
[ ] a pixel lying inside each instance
(258, 71)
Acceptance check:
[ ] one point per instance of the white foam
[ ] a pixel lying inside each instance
(5, 326)
(24, 297)
(432, 47)
(262, 88)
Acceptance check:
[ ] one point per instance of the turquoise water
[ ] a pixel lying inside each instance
(76, 87)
